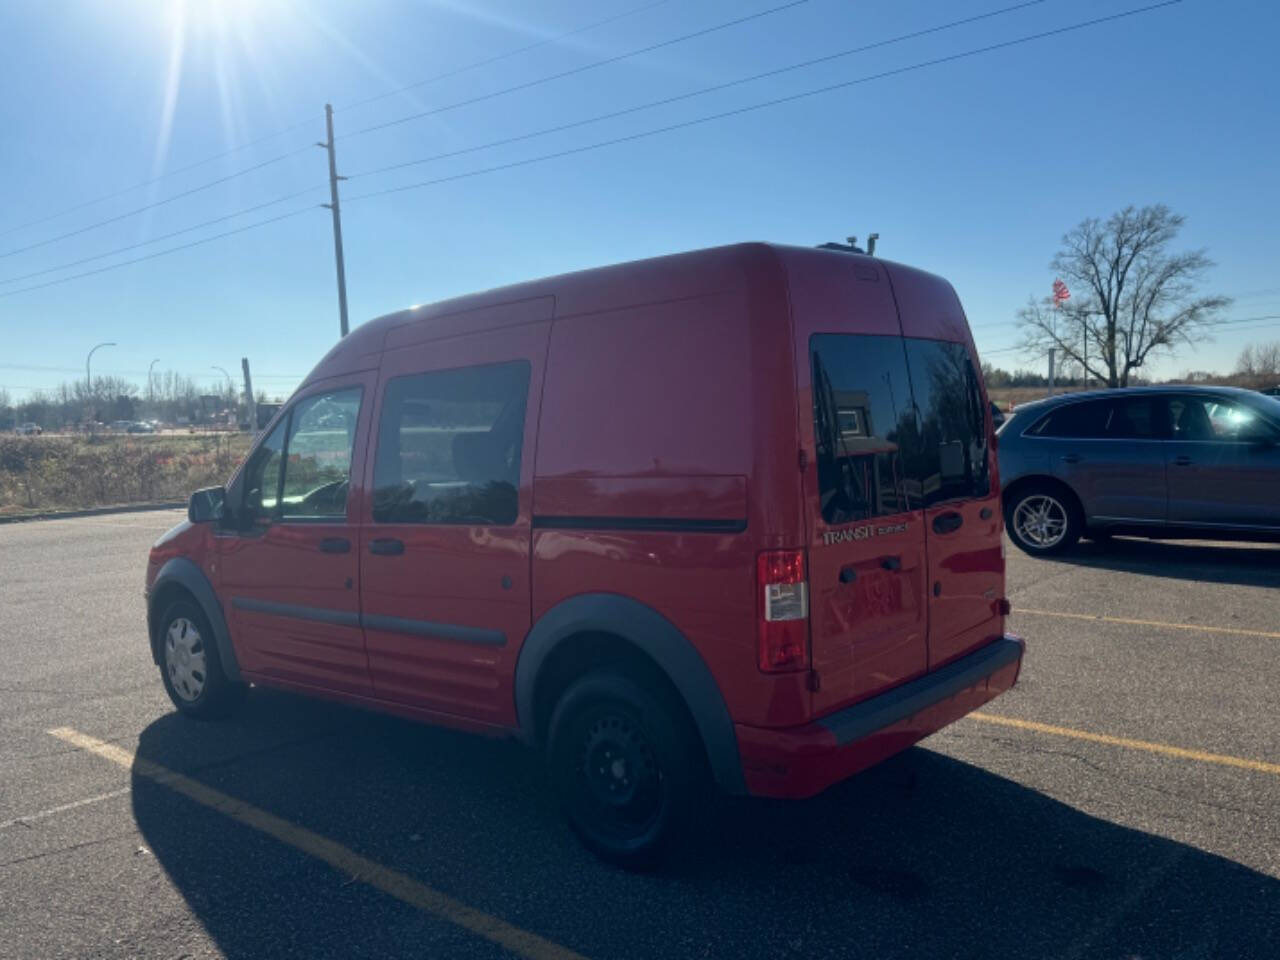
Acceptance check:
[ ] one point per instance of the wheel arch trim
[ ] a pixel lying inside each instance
(658, 638)
(179, 571)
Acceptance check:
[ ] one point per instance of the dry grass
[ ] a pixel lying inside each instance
(39, 474)
(1006, 398)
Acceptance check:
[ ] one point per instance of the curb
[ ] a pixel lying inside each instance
(95, 511)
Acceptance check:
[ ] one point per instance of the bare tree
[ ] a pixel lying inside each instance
(1260, 362)
(1130, 296)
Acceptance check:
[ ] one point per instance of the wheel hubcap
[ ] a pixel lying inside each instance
(1041, 520)
(621, 773)
(184, 659)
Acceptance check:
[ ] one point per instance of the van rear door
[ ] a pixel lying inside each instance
(867, 565)
(956, 468)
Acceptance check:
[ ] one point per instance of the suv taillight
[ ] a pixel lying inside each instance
(784, 611)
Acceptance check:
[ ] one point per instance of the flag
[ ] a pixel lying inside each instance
(1060, 293)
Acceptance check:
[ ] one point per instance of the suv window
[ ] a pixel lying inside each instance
(449, 445)
(1111, 418)
(317, 469)
(952, 460)
(1215, 418)
(1135, 418)
(862, 415)
(1075, 420)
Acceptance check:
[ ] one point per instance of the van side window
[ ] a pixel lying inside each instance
(953, 437)
(262, 476)
(449, 445)
(862, 417)
(317, 467)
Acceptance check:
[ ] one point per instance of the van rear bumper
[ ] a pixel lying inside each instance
(802, 761)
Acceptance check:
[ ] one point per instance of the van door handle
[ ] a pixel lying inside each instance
(335, 545)
(386, 547)
(1071, 458)
(1182, 461)
(891, 563)
(948, 522)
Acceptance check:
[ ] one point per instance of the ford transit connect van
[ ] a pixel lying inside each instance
(729, 515)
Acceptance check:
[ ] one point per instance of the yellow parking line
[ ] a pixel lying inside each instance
(1162, 748)
(393, 882)
(1199, 628)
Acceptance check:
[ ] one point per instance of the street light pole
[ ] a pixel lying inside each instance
(88, 373)
(151, 390)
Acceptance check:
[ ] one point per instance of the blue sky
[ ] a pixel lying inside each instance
(972, 169)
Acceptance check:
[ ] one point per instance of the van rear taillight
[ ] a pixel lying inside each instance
(784, 611)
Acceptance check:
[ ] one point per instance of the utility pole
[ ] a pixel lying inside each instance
(248, 396)
(151, 384)
(337, 218)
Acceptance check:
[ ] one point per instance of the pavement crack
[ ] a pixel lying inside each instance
(70, 848)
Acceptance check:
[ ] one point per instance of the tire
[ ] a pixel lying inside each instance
(1043, 520)
(625, 762)
(189, 664)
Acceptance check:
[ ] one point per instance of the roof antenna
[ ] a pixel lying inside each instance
(852, 245)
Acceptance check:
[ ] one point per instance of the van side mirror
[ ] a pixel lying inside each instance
(206, 505)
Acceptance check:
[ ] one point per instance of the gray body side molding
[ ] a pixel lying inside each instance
(663, 642)
(182, 571)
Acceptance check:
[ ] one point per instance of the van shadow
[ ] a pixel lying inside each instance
(922, 856)
(1255, 565)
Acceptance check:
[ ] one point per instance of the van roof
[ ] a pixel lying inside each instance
(671, 277)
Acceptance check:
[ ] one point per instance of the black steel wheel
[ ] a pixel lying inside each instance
(624, 761)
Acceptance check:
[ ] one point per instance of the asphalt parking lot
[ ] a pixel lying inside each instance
(1122, 801)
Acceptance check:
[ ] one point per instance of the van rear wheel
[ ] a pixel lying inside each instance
(624, 766)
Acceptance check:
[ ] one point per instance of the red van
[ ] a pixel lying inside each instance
(730, 514)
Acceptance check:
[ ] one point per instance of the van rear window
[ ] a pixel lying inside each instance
(898, 425)
(951, 459)
(861, 412)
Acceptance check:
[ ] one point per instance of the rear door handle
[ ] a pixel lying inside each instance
(386, 547)
(1182, 461)
(1071, 458)
(891, 563)
(335, 545)
(948, 522)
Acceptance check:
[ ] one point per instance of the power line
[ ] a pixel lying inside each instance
(158, 253)
(702, 92)
(569, 73)
(647, 133)
(750, 108)
(162, 237)
(301, 123)
(502, 56)
(158, 203)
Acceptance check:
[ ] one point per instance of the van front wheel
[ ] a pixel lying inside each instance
(624, 767)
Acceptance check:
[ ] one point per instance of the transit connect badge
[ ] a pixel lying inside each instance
(865, 532)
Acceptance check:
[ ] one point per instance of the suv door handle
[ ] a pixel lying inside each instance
(1071, 458)
(1182, 461)
(386, 547)
(948, 522)
(335, 545)
(891, 563)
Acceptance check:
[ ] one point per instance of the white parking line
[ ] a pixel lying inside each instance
(41, 814)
